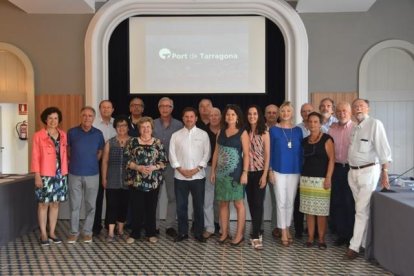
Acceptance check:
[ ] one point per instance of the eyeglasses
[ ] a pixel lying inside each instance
(165, 106)
(121, 125)
(133, 105)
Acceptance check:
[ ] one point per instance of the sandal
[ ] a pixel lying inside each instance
(308, 244)
(285, 243)
(257, 244)
(322, 245)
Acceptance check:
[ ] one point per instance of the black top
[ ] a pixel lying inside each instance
(213, 138)
(315, 157)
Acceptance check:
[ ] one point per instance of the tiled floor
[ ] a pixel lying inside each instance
(25, 256)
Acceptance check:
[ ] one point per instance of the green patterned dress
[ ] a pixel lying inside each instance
(229, 167)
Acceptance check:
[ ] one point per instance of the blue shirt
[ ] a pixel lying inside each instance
(285, 159)
(84, 147)
(165, 133)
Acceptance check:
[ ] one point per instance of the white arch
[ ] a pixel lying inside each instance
(29, 87)
(366, 59)
(115, 11)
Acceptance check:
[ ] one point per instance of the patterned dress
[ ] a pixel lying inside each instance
(229, 167)
(146, 155)
(54, 188)
(314, 199)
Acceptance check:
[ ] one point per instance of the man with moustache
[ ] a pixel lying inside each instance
(136, 108)
(342, 209)
(85, 146)
(368, 156)
(189, 153)
(326, 108)
(164, 127)
(271, 116)
(204, 109)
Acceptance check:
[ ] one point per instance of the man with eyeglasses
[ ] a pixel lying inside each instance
(136, 108)
(164, 127)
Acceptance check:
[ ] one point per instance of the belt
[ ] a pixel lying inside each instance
(362, 167)
(343, 165)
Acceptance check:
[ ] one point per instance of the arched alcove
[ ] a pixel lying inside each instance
(114, 12)
(386, 79)
(28, 87)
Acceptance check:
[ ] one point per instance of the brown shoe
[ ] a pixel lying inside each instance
(87, 238)
(72, 239)
(276, 233)
(207, 234)
(350, 254)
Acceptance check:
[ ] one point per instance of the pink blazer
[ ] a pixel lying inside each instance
(44, 154)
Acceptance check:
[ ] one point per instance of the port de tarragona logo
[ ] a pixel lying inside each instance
(168, 54)
(164, 53)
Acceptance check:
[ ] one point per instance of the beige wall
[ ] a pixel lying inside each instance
(53, 43)
(337, 42)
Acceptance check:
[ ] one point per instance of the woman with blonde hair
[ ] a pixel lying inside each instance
(286, 164)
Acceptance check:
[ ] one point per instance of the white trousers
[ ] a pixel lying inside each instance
(363, 183)
(285, 191)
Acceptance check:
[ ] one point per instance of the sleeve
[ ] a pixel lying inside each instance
(381, 144)
(172, 153)
(206, 150)
(162, 155)
(35, 162)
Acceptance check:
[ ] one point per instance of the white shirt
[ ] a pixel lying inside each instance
(325, 127)
(189, 149)
(305, 131)
(369, 144)
(108, 130)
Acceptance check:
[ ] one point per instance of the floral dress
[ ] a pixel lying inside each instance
(54, 188)
(229, 167)
(145, 155)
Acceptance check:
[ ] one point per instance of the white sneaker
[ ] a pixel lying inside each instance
(130, 240)
(152, 239)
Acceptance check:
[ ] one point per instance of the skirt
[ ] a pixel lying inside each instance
(314, 199)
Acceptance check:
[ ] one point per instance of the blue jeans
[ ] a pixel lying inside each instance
(182, 189)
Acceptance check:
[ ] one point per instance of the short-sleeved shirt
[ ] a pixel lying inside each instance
(165, 133)
(286, 149)
(84, 147)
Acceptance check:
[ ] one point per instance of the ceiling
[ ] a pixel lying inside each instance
(90, 6)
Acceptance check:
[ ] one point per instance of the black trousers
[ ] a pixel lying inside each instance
(116, 205)
(144, 208)
(342, 209)
(298, 216)
(255, 199)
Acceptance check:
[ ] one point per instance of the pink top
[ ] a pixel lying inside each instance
(44, 154)
(256, 152)
(341, 135)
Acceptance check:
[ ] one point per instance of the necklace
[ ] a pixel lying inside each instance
(313, 141)
(289, 141)
(145, 140)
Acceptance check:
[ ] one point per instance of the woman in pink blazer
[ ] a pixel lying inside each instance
(50, 166)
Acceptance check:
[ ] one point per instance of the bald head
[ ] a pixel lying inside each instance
(215, 117)
(305, 109)
(271, 114)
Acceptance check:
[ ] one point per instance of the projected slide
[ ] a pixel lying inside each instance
(197, 55)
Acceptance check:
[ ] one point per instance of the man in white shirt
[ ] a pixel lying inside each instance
(369, 155)
(305, 109)
(189, 153)
(104, 123)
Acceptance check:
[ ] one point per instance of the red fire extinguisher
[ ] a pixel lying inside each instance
(21, 129)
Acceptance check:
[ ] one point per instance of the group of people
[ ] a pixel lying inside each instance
(325, 167)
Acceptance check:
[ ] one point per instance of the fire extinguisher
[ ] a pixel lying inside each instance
(21, 129)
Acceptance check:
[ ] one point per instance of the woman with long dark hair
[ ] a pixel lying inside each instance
(259, 155)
